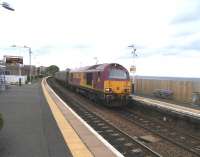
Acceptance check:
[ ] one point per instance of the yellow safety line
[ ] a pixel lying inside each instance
(76, 146)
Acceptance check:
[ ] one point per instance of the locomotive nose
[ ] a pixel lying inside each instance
(118, 87)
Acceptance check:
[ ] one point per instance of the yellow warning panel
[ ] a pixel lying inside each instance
(75, 144)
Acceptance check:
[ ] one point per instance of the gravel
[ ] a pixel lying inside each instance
(162, 146)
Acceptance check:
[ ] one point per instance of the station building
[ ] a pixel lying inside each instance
(13, 69)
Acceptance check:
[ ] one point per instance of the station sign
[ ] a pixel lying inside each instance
(13, 59)
(133, 68)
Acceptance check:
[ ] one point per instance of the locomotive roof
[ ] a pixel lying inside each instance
(93, 68)
(97, 67)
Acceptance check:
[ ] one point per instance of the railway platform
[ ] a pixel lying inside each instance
(37, 123)
(29, 128)
(81, 139)
(170, 107)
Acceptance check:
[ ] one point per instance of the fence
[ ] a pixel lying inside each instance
(182, 88)
(14, 79)
(2, 79)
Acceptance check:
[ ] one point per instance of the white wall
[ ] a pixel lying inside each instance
(14, 79)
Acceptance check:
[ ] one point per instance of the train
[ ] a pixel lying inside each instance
(108, 82)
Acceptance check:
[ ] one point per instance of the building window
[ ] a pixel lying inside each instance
(7, 72)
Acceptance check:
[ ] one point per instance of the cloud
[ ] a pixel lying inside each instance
(188, 12)
(185, 33)
(194, 45)
(81, 46)
(187, 17)
(175, 66)
(71, 35)
(181, 45)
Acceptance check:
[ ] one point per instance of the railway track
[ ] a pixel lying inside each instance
(183, 140)
(180, 139)
(127, 145)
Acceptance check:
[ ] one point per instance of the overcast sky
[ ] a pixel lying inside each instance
(70, 33)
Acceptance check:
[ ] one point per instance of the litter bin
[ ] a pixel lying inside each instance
(196, 98)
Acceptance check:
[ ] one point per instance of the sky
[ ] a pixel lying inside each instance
(70, 34)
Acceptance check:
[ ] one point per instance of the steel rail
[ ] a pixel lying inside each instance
(97, 122)
(153, 128)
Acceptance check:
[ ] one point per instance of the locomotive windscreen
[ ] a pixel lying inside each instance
(117, 74)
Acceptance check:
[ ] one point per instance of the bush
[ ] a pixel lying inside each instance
(1, 121)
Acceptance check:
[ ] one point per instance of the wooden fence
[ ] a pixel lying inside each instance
(182, 88)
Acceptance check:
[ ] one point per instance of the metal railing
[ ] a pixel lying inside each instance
(2, 79)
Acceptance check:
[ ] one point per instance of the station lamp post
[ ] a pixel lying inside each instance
(133, 52)
(7, 6)
(96, 60)
(30, 68)
(133, 67)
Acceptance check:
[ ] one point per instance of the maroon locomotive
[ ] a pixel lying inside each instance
(108, 82)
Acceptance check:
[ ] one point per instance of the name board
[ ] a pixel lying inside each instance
(133, 68)
(14, 60)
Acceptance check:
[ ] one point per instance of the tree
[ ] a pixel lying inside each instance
(51, 70)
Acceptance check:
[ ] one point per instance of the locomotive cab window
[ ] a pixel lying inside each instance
(118, 74)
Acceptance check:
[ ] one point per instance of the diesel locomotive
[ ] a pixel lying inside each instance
(107, 82)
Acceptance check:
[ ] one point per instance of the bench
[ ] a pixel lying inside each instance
(163, 93)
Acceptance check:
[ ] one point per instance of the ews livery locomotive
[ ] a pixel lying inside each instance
(108, 82)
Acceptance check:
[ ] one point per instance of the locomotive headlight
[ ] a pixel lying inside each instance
(108, 89)
(126, 90)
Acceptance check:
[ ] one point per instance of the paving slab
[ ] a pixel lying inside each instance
(29, 128)
(175, 108)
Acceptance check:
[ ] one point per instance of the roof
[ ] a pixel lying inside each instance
(97, 67)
